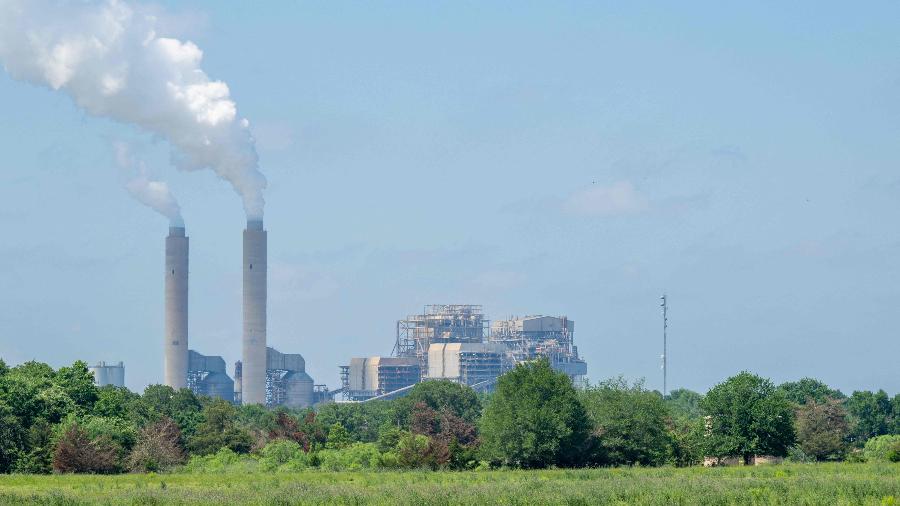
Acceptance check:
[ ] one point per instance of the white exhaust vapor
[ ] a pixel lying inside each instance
(112, 58)
(154, 194)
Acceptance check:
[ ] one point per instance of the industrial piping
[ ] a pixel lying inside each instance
(175, 346)
(253, 374)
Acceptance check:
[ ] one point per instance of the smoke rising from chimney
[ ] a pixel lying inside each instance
(156, 195)
(112, 58)
(153, 194)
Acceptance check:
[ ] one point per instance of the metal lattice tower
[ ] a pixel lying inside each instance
(665, 311)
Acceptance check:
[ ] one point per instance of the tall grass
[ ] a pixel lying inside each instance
(867, 484)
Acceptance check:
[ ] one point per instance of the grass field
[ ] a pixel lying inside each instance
(876, 484)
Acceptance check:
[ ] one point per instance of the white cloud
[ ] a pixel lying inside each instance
(615, 199)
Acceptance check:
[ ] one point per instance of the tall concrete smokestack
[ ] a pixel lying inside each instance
(253, 377)
(175, 347)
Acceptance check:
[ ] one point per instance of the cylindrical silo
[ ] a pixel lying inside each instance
(253, 367)
(175, 346)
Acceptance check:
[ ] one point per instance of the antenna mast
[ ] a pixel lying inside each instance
(665, 310)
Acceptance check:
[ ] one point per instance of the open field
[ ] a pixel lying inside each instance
(875, 484)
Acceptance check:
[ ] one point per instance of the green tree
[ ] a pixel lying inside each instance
(822, 429)
(21, 387)
(182, 406)
(884, 448)
(116, 402)
(630, 423)
(37, 458)
(338, 437)
(895, 409)
(362, 420)
(748, 416)
(870, 414)
(799, 392)
(685, 403)
(78, 383)
(688, 437)
(441, 396)
(13, 438)
(218, 430)
(534, 419)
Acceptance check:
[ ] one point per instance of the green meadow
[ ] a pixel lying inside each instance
(834, 483)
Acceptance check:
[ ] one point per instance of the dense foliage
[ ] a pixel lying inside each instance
(59, 421)
(630, 424)
(748, 416)
(535, 419)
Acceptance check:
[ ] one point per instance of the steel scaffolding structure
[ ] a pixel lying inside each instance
(447, 323)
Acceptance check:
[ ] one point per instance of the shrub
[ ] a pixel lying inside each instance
(219, 430)
(77, 453)
(355, 457)
(225, 460)
(882, 449)
(412, 451)
(157, 448)
(278, 453)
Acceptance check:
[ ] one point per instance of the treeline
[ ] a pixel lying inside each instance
(59, 421)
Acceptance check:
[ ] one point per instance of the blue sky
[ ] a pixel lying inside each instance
(555, 158)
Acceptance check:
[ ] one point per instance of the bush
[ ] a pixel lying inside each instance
(225, 460)
(882, 449)
(412, 451)
(355, 457)
(77, 453)
(219, 430)
(279, 452)
(157, 447)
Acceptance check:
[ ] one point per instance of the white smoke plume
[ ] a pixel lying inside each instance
(154, 194)
(112, 58)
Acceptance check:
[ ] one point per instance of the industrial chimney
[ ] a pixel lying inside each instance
(253, 374)
(175, 347)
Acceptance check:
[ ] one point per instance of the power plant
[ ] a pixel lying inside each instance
(454, 342)
(207, 376)
(457, 342)
(264, 375)
(287, 383)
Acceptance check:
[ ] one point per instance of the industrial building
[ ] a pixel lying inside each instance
(207, 376)
(532, 337)
(370, 377)
(456, 342)
(466, 363)
(439, 323)
(287, 383)
(108, 374)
